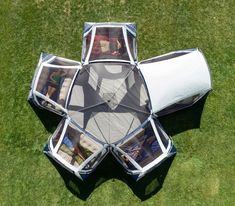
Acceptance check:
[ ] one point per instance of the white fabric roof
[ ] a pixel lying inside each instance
(174, 79)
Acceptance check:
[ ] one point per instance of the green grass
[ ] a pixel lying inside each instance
(203, 172)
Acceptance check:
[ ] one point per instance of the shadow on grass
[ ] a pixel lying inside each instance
(49, 119)
(183, 120)
(108, 169)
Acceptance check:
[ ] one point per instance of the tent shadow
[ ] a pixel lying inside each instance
(109, 169)
(49, 119)
(183, 120)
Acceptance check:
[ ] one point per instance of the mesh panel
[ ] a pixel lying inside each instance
(109, 125)
(85, 92)
(93, 121)
(135, 93)
(109, 100)
(109, 78)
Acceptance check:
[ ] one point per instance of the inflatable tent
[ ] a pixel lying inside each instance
(110, 102)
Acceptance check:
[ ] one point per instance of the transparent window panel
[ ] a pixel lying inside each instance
(54, 83)
(164, 57)
(49, 106)
(109, 43)
(143, 147)
(179, 105)
(63, 62)
(124, 159)
(57, 134)
(132, 44)
(86, 45)
(76, 147)
(164, 137)
(94, 161)
(189, 100)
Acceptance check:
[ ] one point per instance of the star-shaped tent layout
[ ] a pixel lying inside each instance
(110, 102)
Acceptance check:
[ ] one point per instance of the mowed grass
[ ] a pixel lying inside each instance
(203, 172)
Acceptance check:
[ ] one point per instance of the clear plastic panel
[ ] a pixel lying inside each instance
(63, 62)
(86, 45)
(179, 105)
(164, 57)
(94, 161)
(143, 147)
(118, 84)
(125, 161)
(164, 137)
(54, 83)
(57, 134)
(49, 106)
(109, 43)
(76, 147)
(98, 83)
(132, 44)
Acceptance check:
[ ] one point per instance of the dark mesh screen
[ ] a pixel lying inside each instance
(109, 100)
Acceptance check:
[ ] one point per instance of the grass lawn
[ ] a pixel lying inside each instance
(203, 171)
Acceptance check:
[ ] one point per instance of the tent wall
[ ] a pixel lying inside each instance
(100, 40)
(42, 83)
(177, 78)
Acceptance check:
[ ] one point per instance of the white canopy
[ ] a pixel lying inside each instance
(175, 76)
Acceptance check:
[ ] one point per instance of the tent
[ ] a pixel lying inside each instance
(110, 102)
